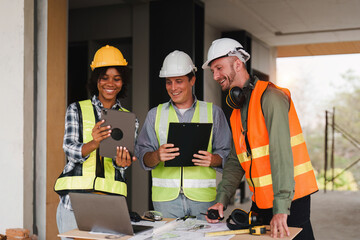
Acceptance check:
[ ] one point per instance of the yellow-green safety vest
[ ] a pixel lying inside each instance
(198, 183)
(88, 180)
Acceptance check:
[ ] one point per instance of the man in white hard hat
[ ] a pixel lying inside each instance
(182, 191)
(268, 145)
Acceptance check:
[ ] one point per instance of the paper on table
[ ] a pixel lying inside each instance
(149, 233)
(102, 233)
(148, 223)
(185, 230)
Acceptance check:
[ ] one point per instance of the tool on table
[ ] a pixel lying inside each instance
(197, 227)
(256, 230)
(185, 217)
(213, 214)
(153, 215)
(135, 217)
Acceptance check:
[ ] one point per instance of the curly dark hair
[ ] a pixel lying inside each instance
(100, 72)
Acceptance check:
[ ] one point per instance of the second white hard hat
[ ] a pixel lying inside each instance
(225, 47)
(177, 63)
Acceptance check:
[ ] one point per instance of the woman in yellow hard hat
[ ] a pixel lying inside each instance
(85, 170)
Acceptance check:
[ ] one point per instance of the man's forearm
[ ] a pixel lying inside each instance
(217, 161)
(151, 159)
(232, 175)
(227, 187)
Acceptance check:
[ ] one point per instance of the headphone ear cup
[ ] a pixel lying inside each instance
(240, 219)
(254, 218)
(230, 103)
(235, 98)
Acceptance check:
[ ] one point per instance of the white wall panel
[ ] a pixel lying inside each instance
(12, 117)
(212, 90)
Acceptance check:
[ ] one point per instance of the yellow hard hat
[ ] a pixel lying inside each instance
(108, 56)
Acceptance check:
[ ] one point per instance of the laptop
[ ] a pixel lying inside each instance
(122, 132)
(103, 213)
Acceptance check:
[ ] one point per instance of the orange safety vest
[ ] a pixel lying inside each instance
(257, 166)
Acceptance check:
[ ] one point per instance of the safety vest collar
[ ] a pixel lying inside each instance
(98, 104)
(166, 114)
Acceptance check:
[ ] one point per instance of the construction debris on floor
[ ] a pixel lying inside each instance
(18, 234)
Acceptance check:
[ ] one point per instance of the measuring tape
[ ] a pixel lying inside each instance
(257, 230)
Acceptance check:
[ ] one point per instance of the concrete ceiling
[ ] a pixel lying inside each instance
(276, 22)
(288, 22)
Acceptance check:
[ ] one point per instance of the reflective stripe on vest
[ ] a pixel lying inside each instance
(199, 183)
(260, 177)
(88, 180)
(187, 183)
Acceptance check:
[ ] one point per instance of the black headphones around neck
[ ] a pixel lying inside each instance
(237, 96)
(240, 219)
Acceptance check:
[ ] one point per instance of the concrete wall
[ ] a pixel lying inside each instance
(28, 112)
(212, 90)
(16, 123)
(263, 58)
(40, 111)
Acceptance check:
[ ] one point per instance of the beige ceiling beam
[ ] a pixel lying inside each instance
(318, 49)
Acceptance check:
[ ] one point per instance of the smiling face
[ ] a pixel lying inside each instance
(223, 72)
(180, 90)
(109, 85)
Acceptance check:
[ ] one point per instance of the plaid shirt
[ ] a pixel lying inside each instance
(72, 144)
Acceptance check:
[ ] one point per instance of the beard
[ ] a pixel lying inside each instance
(230, 79)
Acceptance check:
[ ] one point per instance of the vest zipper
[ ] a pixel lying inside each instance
(248, 154)
(244, 132)
(252, 182)
(181, 181)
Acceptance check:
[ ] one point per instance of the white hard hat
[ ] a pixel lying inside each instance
(177, 63)
(225, 47)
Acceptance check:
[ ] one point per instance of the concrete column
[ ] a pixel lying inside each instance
(16, 122)
(140, 92)
(56, 81)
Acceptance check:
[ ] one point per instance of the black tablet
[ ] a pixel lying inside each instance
(189, 138)
(122, 132)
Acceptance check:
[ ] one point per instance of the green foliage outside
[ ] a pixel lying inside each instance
(347, 116)
(346, 102)
(344, 182)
